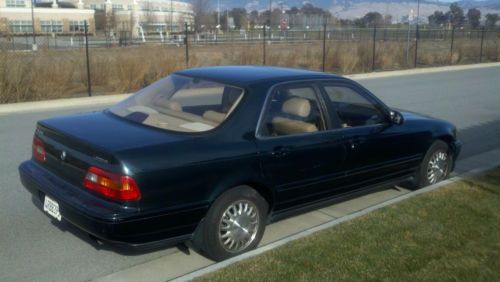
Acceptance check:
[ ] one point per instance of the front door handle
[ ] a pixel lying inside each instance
(356, 141)
(280, 152)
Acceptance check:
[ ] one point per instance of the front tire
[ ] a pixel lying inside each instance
(436, 165)
(234, 224)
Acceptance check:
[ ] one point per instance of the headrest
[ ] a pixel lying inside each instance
(297, 106)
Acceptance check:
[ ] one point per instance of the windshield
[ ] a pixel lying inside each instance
(181, 103)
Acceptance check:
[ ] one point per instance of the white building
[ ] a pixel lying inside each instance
(112, 15)
(16, 17)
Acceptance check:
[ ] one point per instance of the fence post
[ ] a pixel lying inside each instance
(89, 85)
(481, 50)
(451, 48)
(417, 36)
(186, 41)
(324, 47)
(374, 43)
(264, 45)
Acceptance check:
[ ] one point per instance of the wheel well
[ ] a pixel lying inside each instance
(264, 191)
(448, 139)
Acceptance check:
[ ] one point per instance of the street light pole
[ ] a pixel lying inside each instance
(34, 47)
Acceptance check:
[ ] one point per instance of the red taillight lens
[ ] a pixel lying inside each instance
(111, 185)
(38, 149)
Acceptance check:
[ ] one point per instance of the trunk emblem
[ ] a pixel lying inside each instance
(63, 155)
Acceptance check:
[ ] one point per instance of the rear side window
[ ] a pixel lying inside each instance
(352, 108)
(292, 109)
(181, 103)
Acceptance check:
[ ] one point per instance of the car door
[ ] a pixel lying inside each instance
(377, 149)
(300, 156)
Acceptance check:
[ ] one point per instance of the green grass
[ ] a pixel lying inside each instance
(449, 234)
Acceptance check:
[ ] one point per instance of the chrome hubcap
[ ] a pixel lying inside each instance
(437, 167)
(238, 226)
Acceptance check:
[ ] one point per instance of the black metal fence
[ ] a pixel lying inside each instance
(150, 56)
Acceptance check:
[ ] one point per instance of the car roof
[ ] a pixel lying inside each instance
(246, 75)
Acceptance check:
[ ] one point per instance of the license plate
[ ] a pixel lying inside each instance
(51, 207)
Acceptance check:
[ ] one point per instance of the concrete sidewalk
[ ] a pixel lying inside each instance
(178, 263)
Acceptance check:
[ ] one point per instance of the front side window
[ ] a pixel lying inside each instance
(181, 103)
(290, 110)
(351, 108)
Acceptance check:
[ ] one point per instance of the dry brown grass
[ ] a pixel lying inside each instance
(49, 74)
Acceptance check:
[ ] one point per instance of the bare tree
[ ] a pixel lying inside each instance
(202, 16)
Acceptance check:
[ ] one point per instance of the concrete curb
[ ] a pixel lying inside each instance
(111, 99)
(308, 232)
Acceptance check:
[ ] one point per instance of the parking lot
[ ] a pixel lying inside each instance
(34, 248)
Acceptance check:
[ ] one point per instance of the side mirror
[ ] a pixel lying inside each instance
(396, 117)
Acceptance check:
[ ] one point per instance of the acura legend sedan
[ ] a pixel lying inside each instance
(211, 155)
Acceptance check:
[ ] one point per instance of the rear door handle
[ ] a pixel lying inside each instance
(280, 152)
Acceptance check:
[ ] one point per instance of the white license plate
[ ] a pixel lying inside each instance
(51, 207)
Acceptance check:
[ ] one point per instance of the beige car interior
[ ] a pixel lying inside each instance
(294, 107)
(167, 113)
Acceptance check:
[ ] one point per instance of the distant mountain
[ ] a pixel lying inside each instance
(351, 9)
(329, 4)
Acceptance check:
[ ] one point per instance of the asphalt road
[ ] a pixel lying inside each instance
(34, 249)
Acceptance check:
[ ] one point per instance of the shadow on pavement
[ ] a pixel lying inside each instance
(479, 138)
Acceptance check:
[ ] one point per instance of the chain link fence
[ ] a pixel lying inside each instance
(104, 63)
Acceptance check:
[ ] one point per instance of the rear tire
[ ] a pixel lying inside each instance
(233, 225)
(435, 166)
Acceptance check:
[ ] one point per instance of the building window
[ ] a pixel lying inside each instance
(52, 26)
(129, 7)
(93, 6)
(16, 4)
(77, 26)
(117, 7)
(20, 26)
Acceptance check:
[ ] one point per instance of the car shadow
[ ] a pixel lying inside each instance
(479, 138)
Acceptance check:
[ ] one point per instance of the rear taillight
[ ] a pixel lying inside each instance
(111, 185)
(38, 149)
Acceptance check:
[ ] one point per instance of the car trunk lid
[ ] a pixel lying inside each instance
(75, 143)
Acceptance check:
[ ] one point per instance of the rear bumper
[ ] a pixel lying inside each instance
(108, 221)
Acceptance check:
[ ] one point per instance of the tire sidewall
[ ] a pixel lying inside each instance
(438, 145)
(209, 239)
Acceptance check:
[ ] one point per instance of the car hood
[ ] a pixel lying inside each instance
(109, 132)
(409, 115)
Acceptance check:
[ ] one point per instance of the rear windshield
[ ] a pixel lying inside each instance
(181, 103)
